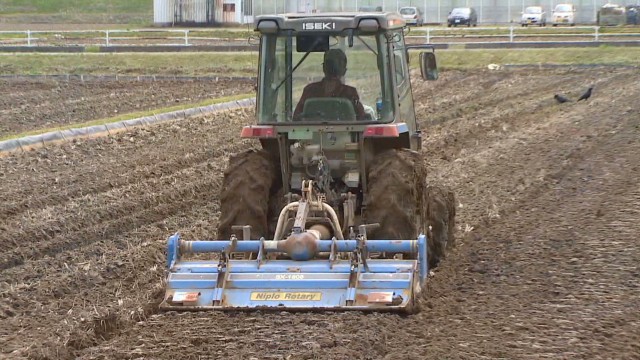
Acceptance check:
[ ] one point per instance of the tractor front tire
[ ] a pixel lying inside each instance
(244, 199)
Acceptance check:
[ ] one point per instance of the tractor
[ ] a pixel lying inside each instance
(333, 210)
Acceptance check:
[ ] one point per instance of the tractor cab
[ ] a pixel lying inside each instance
(373, 87)
(336, 87)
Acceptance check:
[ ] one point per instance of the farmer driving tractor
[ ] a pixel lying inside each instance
(334, 68)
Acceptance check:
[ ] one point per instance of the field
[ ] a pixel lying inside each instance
(546, 264)
(34, 104)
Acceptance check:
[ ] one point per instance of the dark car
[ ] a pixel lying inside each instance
(633, 14)
(370, 9)
(462, 16)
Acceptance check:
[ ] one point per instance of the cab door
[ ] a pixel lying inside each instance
(405, 109)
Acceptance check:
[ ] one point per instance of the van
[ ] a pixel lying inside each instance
(564, 14)
(611, 15)
(412, 15)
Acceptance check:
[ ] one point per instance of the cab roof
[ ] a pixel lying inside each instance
(340, 20)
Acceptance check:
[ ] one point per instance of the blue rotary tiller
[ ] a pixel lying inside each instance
(353, 283)
(303, 271)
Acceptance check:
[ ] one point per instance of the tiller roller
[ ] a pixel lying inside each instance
(310, 269)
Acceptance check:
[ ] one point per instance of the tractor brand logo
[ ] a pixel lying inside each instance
(286, 296)
(318, 26)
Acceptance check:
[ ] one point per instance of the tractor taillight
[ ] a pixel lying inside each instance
(258, 131)
(381, 131)
(396, 23)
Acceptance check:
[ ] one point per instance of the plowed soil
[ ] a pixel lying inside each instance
(41, 104)
(546, 263)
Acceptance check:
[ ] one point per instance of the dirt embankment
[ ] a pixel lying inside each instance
(546, 265)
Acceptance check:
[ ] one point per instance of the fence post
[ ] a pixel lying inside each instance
(106, 37)
(28, 37)
(186, 37)
(428, 35)
(597, 35)
(511, 34)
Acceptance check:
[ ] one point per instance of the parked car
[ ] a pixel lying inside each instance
(370, 9)
(462, 16)
(633, 14)
(534, 15)
(611, 15)
(412, 15)
(564, 14)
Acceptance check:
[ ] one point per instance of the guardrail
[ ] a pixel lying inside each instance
(137, 37)
(188, 37)
(517, 33)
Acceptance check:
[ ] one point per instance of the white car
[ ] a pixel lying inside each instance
(534, 15)
(564, 14)
(412, 15)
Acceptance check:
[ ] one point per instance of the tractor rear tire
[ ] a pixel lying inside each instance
(244, 199)
(395, 181)
(404, 206)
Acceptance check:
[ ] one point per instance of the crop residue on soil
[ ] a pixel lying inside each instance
(546, 264)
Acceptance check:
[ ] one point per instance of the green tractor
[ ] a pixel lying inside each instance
(335, 118)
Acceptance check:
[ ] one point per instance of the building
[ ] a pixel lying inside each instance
(204, 12)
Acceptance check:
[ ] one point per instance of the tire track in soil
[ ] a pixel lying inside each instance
(572, 157)
(544, 279)
(485, 91)
(545, 145)
(481, 138)
(129, 289)
(165, 170)
(127, 214)
(200, 191)
(73, 184)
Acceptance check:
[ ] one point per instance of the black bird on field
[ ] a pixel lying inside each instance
(586, 95)
(561, 99)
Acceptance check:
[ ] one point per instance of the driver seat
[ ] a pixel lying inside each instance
(328, 108)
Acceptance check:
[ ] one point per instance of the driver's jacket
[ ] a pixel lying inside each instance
(331, 87)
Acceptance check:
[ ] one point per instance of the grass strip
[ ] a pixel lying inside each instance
(246, 63)
(190, 64)
(470, 59)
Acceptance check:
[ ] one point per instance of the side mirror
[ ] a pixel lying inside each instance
(428, 66)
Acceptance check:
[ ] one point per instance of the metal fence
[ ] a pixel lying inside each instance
(195, 37)
(139, 37)
(436, 11)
